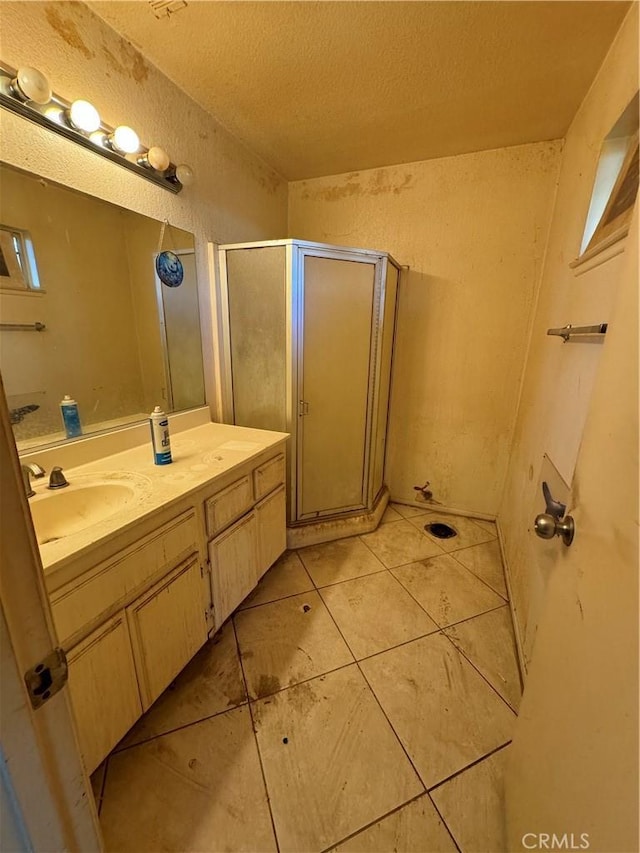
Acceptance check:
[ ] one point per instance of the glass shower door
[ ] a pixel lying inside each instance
(338, 308)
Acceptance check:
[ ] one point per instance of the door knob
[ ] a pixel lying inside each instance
(553, 522)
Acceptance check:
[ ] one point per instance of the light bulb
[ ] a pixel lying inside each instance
(55, 113)
(184, 174)
(157, 158)
(125, 140)
(31, 85)
(84, 116)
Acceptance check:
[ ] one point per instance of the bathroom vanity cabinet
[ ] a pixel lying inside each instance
(131, 611)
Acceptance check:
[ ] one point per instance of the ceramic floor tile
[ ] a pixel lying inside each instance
(337, 561)
(414, 828)
(469, 533)
(445, 713)
(212, 682)
(286, 577)
(489, 526)
(472, 805)
(410, 511)
(390, 514)
(376, 613)
(288, 641)
(488, 642)
(485, 561)
(446, 590)
(331, 761)
(199, 788)
(399, 543)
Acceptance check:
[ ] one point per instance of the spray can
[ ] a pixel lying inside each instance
(159, 423)
(70, 417)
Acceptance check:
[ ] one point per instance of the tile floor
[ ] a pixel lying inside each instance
(360, 699)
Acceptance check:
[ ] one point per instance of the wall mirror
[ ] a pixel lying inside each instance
(83, 312)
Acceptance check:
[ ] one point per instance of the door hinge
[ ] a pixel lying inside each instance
(46, 678)
(208, 613)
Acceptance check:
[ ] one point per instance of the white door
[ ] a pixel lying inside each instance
(335, 374)
(45, 794)
(573, 768)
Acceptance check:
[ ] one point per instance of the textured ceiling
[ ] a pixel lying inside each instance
(320, 88)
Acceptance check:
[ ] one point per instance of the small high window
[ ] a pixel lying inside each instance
(18, 269)
(615, 186)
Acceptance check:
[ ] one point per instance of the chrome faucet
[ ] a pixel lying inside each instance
(28, 471)
(57, 480)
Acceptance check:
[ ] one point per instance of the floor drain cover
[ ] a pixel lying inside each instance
(440, 530)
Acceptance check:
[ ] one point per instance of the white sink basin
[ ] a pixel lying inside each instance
(85, 501)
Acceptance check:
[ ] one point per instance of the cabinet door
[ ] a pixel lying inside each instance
(272, 532)
(234, 566)
(168, 625)
(104, 690)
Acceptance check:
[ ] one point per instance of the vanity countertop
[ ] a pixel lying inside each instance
(201, 456)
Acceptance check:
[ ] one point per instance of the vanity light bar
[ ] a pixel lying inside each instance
(25, 91)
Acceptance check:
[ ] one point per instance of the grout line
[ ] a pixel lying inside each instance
(252, 701)
(477, 669)
(409, 562)
(240, 610)
(475, 616)
(320, 586)
(402, 746)
(411, 595)
(477, 577)
(462, 770)
(374, 822)
(356, 578)
(438, 630)
(255, 735)
(117, 751)
(515, 622)
(445, 824)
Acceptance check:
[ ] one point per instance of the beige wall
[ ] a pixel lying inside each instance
(559, 377)
(235, 196)
(473, 231)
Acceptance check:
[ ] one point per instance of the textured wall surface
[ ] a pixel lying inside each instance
(235, 196)
(559, 377)
(473, 231)
(324, 88)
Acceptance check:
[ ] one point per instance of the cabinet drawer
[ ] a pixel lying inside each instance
(268, 476)
(228, 505)
(111, 583)
(104, 690)
(167, 625)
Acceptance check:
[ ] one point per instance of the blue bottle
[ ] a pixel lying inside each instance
(70, 417)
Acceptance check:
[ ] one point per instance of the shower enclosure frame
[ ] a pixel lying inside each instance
(295, 253)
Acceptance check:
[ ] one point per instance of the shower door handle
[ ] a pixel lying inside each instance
(303, 408)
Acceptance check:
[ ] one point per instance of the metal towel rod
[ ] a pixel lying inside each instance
(596, 332)
(22, 327)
